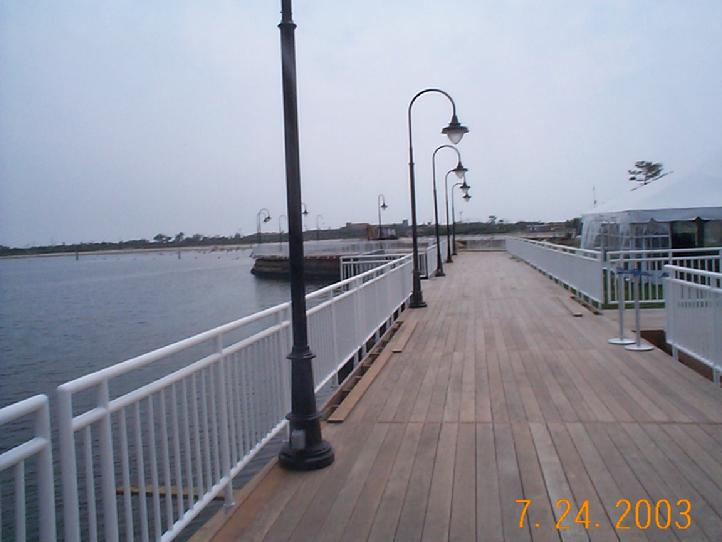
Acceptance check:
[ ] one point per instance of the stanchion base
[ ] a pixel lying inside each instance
(644, 347)
(620, 340)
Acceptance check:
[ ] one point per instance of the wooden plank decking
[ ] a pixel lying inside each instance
(501, 394)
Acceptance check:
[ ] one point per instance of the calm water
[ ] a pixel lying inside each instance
(61, 318)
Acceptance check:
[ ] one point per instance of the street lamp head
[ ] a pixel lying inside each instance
(460, 170)
(455, 130)
(467, 196)
(267, 219)
(384, 206)
(465, 187)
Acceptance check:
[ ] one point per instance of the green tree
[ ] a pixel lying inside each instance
(646, 172)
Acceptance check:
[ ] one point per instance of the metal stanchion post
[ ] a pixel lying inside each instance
(621, 339)
(638, 345)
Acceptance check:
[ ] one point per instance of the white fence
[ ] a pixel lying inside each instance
(651, 263)
(360, 263)
(351, 266)
(482, 244)
(332, 246)
(693, 307)
(36, 448)
(579, 269)
(178, 440)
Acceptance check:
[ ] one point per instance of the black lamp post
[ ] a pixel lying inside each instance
(318, 227)
(465, 188)
(263, 211)
(460, 171)
(455, 131)
(381, 201)
(305, 449)
(280, 228)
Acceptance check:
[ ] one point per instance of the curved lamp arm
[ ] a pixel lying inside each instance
(258, 217)
(454, 127)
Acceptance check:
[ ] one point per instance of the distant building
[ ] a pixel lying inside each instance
(685, 213)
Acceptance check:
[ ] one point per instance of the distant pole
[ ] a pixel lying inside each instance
(280, 228)
(305, 449)
(439, 265)
(455, 131)
(460, 172)
(318, 227)
(263, 211)
(453, 212)
(465, 188)
(381, 201)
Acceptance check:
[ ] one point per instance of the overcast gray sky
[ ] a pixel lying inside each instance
(123, 119)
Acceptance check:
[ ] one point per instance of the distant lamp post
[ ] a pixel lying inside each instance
(454, 131)
(319, 218)
(305, 448)
(460, 171)
(280, 228)
(305, 213)
(263, 216)
(381, 200)
(464, 188)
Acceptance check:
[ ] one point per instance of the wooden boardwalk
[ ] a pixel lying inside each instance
(501, 394)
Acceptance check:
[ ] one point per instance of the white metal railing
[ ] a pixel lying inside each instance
(360, 263)
(39, 449)
(579, 269)
(428, 261)
(651, 263)
(351, 266)
(693, 307)
(489, 243)
(182, 437)
(332, 246)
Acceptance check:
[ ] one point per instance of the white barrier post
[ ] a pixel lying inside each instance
(621, 339)
(638, 345)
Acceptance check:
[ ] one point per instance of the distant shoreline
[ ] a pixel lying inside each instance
(208, 248)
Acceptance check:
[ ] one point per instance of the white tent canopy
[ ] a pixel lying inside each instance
(640, 218)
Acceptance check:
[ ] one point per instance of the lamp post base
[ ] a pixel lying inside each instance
(417, 301)
(304, 459)
(439, 273)
(449, 260)
(621, 340)
(643, 347)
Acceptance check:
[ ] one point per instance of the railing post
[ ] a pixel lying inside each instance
(46, 488)
(68, 466)
(222, 399)
(638, 346)
(620, 311)
(716, 305)
(107, 466)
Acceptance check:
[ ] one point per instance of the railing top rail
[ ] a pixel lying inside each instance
(364, 257)
(143, 360)
(376, 270)
(662, 250)
(585, 252)
(690, 271)
(22, 408)
(648, 258)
